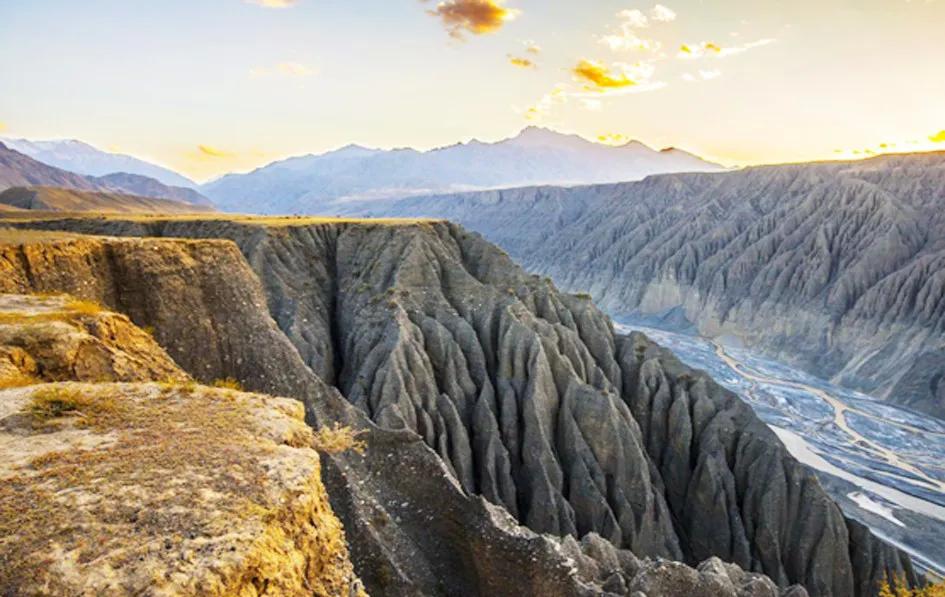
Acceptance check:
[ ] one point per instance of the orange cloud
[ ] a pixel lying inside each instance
(473, 16)
(532, 47)
(521, 62)
(598, 77)
(273, 3)
(938, 137)
(212, 152)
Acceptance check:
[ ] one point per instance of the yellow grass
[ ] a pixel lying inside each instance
(17, 380)
(274, 221)
(899, 588)
(52, 402)
(228, 384)
(337, 439)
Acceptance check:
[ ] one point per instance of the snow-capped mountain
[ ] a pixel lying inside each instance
(319, 183)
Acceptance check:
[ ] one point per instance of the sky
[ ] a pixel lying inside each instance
(212, 86)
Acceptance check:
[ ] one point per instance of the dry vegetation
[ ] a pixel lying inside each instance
(141, 487)
(337, 439)
(898, 588)
(228, 384)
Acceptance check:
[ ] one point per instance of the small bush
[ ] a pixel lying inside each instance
(52, 402)
(337, 439)
(583, 295)
(228, 384)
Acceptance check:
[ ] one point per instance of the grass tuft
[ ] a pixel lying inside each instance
(338, 439)
(52, 402)
(228, 384)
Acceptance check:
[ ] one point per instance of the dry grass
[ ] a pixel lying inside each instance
(228, 384)
(899, 588)
(51, 402)
(271, 221)
(337, 439)
(157, 439)
(70, 310)
(84, 307)
(17, 380)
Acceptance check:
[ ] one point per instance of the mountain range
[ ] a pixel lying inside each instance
(324, 183)
(19, 170)
(834, 267)
(80, 157)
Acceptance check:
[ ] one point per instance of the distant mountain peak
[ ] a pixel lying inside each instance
(82, 158)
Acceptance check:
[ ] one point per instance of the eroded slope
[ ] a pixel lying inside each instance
(526, 394)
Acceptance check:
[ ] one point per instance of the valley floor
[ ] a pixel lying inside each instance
(884, 465)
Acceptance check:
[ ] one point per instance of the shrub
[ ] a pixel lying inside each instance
(583, 295)
(228, 384)
(55, 401)
(337, 439)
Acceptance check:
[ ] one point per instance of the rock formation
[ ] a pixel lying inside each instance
(143, 488)
(833, 267)
(526, 395)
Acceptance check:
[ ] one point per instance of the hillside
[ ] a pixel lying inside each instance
(479, 380)
(70, 200)
(834, 267)
(185, 489)
(20, 170)
(75, 156)
(324, 183)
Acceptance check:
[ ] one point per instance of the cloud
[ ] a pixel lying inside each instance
(531, 47)
(546, 104)
(938, 137)
(692, 51)
(212, 152)
(631, 21)
(597, 76)
(662, 14)
(477, 17)
(591, 104)
(627, 40)
(521, 62)
(284, 69)
(273, 3)
(3, 126)
(633, 18)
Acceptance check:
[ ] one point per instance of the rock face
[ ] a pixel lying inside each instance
(834, 267)
(525, 394)
(149, 488)
(57, 338)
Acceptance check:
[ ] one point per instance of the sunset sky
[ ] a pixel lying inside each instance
(210, 86)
